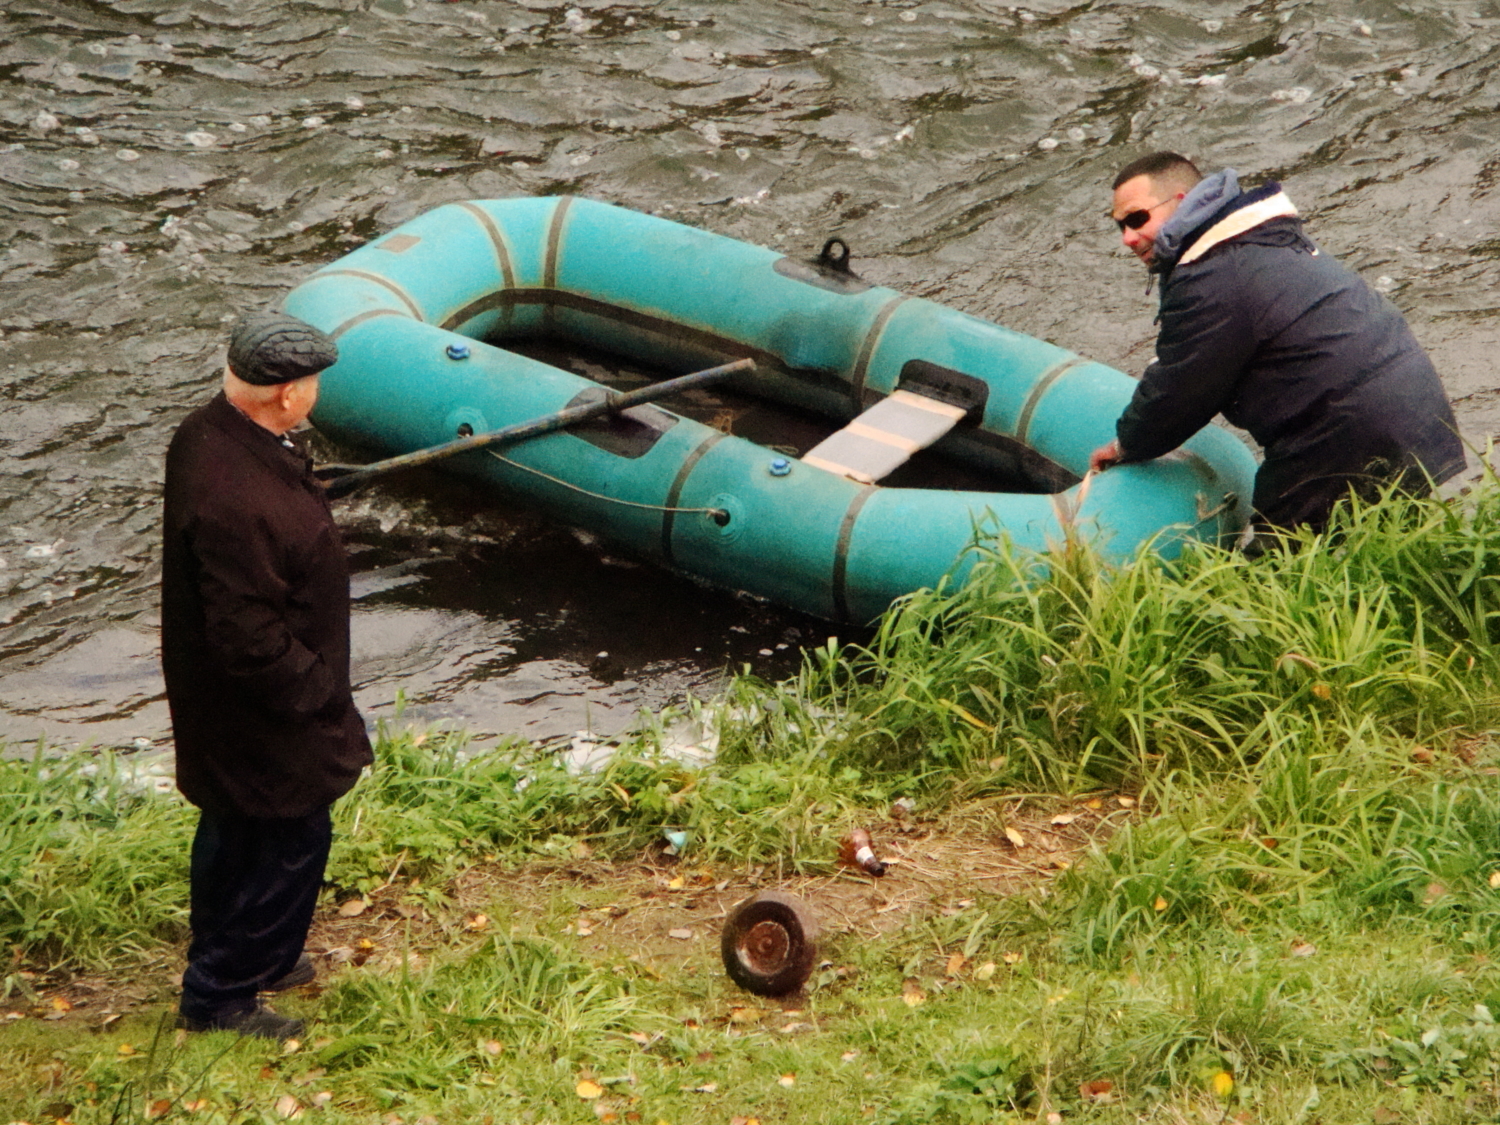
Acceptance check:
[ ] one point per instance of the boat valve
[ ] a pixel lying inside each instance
(780, 467)
(458, 351)
(720, 517)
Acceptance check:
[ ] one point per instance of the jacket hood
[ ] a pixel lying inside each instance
(1200, 205)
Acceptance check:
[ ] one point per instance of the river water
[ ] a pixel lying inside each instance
(165, 164)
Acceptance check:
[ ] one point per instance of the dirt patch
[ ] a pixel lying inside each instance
(661, 912)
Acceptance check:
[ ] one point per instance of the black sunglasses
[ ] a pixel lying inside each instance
(1137, 219)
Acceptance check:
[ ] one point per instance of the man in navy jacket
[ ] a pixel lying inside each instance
(1259, 325)
(255, 652)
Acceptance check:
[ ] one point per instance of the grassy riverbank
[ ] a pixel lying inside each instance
(1219, 842)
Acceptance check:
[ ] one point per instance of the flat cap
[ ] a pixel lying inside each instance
(271, 348)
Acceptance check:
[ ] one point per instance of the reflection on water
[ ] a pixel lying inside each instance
(167, 163)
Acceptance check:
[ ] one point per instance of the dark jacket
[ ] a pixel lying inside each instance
(255, 623)
(1286, 343)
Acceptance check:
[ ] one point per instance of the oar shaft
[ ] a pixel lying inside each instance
(612, 403)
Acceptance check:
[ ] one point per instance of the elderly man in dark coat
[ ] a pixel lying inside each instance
(255, 652)
(1259, 325)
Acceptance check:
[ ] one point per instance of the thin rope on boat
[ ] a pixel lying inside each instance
(600, 495)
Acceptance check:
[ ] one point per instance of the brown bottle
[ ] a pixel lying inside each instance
(857, 852)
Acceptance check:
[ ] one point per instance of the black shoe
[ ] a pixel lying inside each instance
(261, 1022)
(299, 974)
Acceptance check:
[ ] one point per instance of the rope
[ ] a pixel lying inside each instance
(716, 512)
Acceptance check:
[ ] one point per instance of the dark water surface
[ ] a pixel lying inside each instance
(165, 164)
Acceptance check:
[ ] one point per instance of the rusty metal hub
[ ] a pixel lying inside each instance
(770, 944)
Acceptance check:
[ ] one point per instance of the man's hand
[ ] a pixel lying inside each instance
(1105, 457)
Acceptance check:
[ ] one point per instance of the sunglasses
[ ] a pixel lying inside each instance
(1135, 220)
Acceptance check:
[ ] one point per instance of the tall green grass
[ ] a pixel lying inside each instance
(1304, 898)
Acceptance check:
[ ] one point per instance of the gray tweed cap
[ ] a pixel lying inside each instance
(271, 348)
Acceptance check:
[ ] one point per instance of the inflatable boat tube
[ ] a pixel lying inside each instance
(423, 314)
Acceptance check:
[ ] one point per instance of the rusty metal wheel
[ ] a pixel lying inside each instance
(770, 944)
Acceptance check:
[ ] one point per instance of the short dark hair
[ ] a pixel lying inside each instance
(1160, 165)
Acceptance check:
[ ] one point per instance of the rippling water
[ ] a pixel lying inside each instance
(164, 165)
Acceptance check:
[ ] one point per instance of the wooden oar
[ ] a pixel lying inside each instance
(340, 480)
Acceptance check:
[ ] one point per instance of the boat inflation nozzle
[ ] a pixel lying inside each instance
(458, 351)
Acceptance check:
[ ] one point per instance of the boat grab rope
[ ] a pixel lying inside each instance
(717, 513)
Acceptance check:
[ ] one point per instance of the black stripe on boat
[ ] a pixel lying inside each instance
(841, 552)
(866, 350)
(674, 494)
(383, 282)
(1042, 386)
(355, 321)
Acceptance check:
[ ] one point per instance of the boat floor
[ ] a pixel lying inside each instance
(777, 426)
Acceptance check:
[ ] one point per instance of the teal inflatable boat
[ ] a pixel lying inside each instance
(426, 318)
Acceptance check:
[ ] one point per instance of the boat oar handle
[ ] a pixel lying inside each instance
(340, 480)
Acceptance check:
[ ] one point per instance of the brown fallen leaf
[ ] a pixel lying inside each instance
(125, 1049)
(787, 1080)
(985, 971)
(477, 923)
(1422, 755)
(956, 963)
(1160, 904)
(1322, 690)
(1125, 802)
(1011, 958)
(353, 908)
(737, 1120)
(1495, 880)
(493, 1047)
(588, 1089)
(745, 1015)
(61, 1004)
(158, 1108)
(681, 934)
(1016, 839)
(912, 994)
(1433, 892)
(288, 1108)
(1064, 818)
(1099, 1090)
(1303, 948)
(1093, 803)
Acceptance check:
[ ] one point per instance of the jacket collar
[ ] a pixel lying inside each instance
(266, 446)
(1211, 209)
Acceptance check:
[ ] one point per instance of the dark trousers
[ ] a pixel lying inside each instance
(255, 883)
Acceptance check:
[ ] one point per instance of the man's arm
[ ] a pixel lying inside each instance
(1206, 343)
(245, 606)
